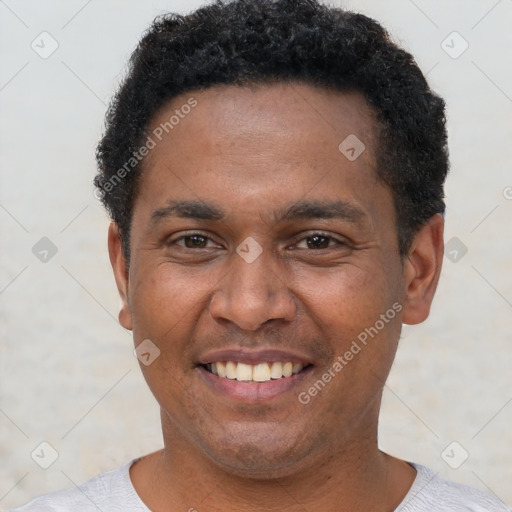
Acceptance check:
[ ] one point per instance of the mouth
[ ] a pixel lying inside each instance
(257, 373)
(254, 376)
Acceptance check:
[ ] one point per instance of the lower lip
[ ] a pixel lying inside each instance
(253, 391)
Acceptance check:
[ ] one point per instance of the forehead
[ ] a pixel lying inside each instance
(264, 115)
(279, 142)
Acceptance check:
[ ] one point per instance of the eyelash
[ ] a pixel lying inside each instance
(312, 235)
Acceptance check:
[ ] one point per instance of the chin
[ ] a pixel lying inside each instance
(262, 454)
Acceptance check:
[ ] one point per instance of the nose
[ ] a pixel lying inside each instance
(251, 294)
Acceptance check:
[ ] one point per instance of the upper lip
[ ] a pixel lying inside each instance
(269, 355)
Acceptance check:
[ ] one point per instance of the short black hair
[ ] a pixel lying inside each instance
(241, 42)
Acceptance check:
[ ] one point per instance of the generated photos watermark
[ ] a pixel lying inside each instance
(304, 397)
(151, 142)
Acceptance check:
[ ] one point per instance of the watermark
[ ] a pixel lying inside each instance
(507, 193)
(249, 249)
(357, 345)
(455, 455)
(455, 249)
(351, 147)
(146, 352)
(44, 250)
(44, 455)
(44, 45)
(151, 142)
(454, 45)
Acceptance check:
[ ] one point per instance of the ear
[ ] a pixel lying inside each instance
(121, 274)
(422, 267)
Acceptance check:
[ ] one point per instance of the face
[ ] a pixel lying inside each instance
(265, 269)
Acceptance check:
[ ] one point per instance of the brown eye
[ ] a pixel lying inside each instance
(195, 241)
(317, 242)
(192, 240)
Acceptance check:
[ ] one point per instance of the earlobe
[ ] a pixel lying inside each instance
(422, 268)
(121, 274)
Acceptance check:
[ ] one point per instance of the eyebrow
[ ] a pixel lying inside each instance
(301, 210)
(317, 209)
(188, 210)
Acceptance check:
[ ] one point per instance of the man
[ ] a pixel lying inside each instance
(274, 172)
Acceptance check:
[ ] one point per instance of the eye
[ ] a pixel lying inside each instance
(192, 241)
(318, 241)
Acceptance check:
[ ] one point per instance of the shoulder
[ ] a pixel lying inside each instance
(110, 491)
(430, 492)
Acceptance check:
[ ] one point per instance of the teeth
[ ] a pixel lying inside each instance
(243, 371)
(276, 372)
(296, 368)
(221, 369)
(230, 370)
(287, 369)
(261, 372)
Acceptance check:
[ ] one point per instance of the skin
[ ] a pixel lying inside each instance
(253, 152)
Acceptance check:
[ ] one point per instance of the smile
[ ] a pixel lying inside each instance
(261, 372)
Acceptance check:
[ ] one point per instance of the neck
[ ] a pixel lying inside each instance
(340, 475)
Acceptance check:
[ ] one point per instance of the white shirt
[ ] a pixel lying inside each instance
(113, 491)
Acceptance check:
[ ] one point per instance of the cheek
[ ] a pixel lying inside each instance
(358, 309)
(165, 302)
(346, 299)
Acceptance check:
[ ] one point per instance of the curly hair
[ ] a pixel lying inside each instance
(241, 42)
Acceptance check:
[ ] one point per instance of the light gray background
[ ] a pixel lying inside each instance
(68, 374)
